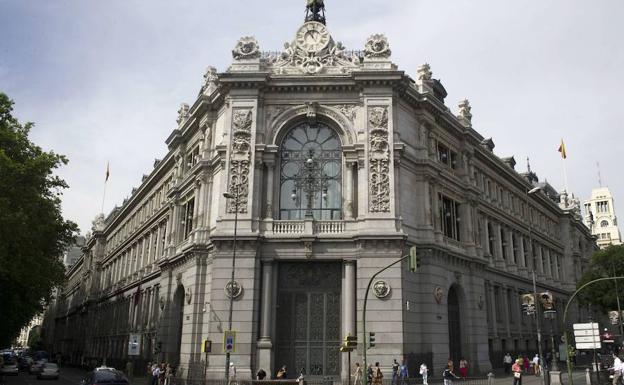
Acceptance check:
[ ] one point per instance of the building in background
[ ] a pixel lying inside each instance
(74, 252)
(601, 219)
(340, 162)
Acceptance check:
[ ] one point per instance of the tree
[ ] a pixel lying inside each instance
(33, 233)
(604, 263)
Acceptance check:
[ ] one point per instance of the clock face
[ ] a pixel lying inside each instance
(312, 36)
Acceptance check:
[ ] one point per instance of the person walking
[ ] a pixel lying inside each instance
(536, 365)
(369, 373)
(463, 368)
(617, 368)
(232, 374)
(525, 364)
(155, 373)
(424, 372)
(357, 375)
(516, 368)
(403, 373)
(377, 375)
(507, 361)
(448, 375)
(395, 372)
(169, 375)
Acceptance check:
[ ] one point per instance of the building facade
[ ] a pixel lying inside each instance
(601, 219)
(338, 162)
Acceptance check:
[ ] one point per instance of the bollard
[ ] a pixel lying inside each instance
(490, 377)
(587, 376)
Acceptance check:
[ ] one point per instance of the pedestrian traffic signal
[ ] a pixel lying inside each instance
(413, 260)
(371, 339)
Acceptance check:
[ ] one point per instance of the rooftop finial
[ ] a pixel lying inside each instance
(315, 11)
(528, 165)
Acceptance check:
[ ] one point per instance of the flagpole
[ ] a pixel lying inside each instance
(105, 183)
(565, 174)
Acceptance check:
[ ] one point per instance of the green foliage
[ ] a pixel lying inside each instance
(604, 263)
(33, 233)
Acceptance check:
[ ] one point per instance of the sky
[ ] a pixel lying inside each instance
(103, 80)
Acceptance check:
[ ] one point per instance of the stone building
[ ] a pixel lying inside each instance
(601, 219)
(338, 162)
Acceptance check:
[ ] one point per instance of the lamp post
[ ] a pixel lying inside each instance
(235, 197)
(551, 315)
(537, 307)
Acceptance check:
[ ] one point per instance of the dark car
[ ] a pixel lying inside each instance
(105, 375)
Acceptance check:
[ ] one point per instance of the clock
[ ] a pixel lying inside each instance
(312, 36)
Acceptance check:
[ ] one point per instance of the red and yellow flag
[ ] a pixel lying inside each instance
(562, 150)
(108, 171)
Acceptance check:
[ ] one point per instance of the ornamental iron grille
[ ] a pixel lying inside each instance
(311, 173)
(308, 318)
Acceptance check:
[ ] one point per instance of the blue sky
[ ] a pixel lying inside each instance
(103, 80)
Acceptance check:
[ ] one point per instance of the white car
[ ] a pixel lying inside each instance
(35, 367)
(49, 370)
(10, 368)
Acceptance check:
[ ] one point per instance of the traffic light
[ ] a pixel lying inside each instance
(413, 259)
(350, 341)
(371, 339)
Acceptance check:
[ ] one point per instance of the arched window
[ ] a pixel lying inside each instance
(311, 173)
(604, 223)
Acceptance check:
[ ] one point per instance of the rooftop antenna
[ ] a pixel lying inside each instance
(315, 11)
(599, 177)
(528, 165)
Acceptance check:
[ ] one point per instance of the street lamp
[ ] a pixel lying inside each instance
(537, 306)
(551, 315)
(235, 197)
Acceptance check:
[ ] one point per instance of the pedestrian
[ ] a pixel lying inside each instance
(369, 373)
(526, 364)
(149, 369)
(232, 374)
(161, 373)
(463, 368)
(168, 375)
(357, 375)
(377, 375)
(536, 365)
(395, 372)
(155, 374)
(260, 375)
(282, 374)
(130, 370)
(403, 373)
(617, 368)
(517, 372)
(507, 361)
(424, 371)
(448, 375)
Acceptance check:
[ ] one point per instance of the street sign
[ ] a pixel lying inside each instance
(580, 333)
(584, 339)
(528, 303)
(587, 345)
(586, 326)
(229, 341)
(134, 345)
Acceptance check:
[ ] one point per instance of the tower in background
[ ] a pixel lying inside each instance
(601, 219)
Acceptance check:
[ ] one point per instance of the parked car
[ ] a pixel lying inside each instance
(24, 363)
(10, 368)
(49, 370)
(36, 366)
(105, 375)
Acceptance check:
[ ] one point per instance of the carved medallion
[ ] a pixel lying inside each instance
(312, 37)
(246, 48)
(438, 294)
(377, 46)
(381, 289)
(233, 289)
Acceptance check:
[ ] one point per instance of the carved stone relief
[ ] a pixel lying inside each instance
(240, 155)
(379, 160)
(246, 48)
(377, 47)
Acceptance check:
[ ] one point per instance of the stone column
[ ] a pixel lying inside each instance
(548, 272)
(265, 343)
(540, 260)
(498, 246)
(269, 194)
(348, 191)
(493, 310)
(521, 251)
(510, 247)
(505, 295)
(485, 236)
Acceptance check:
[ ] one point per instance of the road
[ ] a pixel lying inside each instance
(69, 376)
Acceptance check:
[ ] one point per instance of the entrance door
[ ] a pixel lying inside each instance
(454, 325)
(308, 318)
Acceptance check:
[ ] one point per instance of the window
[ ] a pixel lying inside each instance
(311, 173)
(602, 207)
(447, 156)
(449, 217)
(187, 221)
(604, 223)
